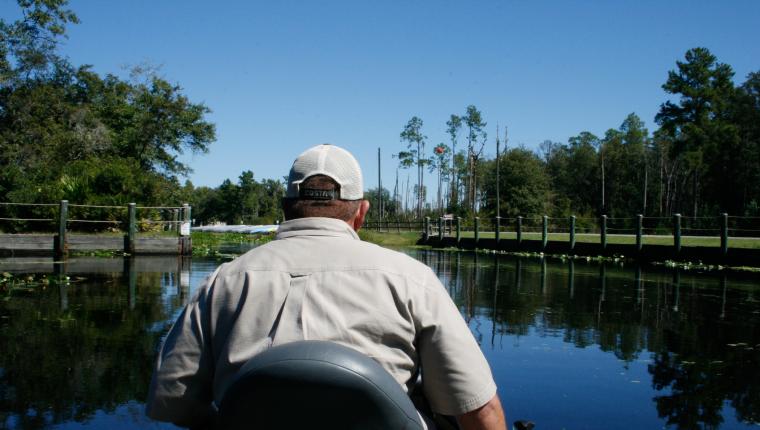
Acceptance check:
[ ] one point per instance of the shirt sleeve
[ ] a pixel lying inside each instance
(456, 377)
(181, 388)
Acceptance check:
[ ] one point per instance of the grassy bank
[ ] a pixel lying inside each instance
(733, 242)
(206, 244)
(390, 240)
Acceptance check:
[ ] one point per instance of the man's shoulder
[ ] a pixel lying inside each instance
(327, 255)
(389, 256)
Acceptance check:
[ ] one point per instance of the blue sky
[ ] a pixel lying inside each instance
(282, 76)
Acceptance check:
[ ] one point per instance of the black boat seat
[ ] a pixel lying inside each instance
(315, 384)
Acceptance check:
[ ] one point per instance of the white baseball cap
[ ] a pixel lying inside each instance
(331, 161)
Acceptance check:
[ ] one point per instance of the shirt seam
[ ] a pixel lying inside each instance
(473, 402)
(299, 270)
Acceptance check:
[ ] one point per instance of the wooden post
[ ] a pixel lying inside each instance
(477, 229)
(677, 232)
(131, 229)
(603, 232)
(497, 228)
(440, 229)
(61, 245)
(544, 232)
(519, 230)
(175, 219)
(186, 217)
(459, 229)
(639, 231)
(571, 276)
(426, 226)
(724, 233)
(677, 283)
(572, 232)
(132, 280)
(186, 243)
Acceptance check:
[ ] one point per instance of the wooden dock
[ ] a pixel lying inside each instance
(447, 233)
(45, 244)
(176, 241)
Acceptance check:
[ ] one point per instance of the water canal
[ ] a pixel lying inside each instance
(573, 345)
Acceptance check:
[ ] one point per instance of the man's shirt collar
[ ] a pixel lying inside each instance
(315, 226)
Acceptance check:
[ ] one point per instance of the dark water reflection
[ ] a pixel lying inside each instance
(572, 344)
(81, 352)
(582, 345)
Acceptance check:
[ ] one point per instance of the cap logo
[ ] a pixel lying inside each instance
(315, 194)
(331, 161)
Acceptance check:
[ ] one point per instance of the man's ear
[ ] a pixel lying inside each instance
(360, 214)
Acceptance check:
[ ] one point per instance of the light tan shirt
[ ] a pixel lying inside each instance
(317, 280)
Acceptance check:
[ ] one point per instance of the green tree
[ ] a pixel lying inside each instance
(746, 113)
(699, 125)
(439, 162)
(249, 197)
(270, 210)
(67, 132)
(454, 124)
(28, 46)
(636, 142)
(581, 179)
(624, 154)
(476, 138)
(390, 205)
(415, 156)
(525, 185)
(163, 123)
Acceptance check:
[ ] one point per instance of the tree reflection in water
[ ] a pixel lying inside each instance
(72, 353)
(699, 332)
(71, 350)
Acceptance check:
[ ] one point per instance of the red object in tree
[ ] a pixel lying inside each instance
(439, 149)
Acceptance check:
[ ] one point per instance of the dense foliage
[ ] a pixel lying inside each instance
(703, 160)
(247, 202)
(67, 132)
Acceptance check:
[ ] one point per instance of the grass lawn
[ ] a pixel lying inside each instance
(390, 239)
(733, 242)
(205, 241)
(209, 239)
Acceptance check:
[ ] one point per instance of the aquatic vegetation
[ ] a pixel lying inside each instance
(28, 283)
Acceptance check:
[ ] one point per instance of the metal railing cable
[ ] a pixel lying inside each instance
(98, 206)
(93, 221)
(27, 219)
(28, 204)
(86, 217)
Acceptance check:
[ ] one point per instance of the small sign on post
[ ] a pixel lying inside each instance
(184, 228)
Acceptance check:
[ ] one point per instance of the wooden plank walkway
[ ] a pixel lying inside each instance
(648, 253)
(131, 243)
(44, 244)
(88, 265)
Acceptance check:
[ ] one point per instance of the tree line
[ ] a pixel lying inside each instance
(69, 133)
(703, 159)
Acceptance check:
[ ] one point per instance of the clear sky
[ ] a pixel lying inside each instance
(281, 76)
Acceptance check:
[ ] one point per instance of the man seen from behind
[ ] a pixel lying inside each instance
(317, 280)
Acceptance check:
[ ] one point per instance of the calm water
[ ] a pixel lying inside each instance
(572, 345)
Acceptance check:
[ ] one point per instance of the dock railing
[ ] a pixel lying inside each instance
(721, 231)
(82, 223)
